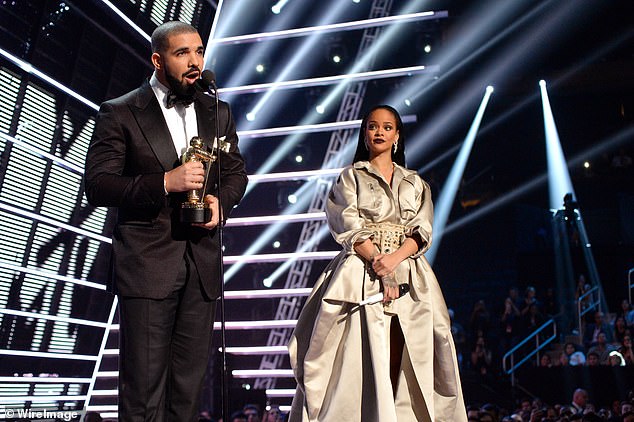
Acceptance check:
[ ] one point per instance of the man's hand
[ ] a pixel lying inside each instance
(215, 213)
(188, 176)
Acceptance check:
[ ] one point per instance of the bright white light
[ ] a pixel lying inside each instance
(336, 58)
(320, 109)
(246, 386)
(277, 244)
(408, 102)
(251, 116)
(277, 7)
(299, 158)
(267, 282)
(356, 1)
(586, 164)
(446, 198)
(489, 89)
(427, 48)
(259, 68)
(559, 182)
(292, 199)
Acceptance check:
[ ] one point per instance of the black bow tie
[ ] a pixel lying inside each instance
(173, 99)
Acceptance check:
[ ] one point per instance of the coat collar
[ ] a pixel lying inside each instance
(147, 111)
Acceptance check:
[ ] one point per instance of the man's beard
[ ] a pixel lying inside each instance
(180, 88)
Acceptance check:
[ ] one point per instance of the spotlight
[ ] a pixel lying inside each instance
(277, 244)
(408, 102)
(356, 1)
(259, 68)
(489, 89)
(336, 51)
(542, 83)
(300, 154)
(292, 199)
(251, 116)
(277, 7)
(267, 282)
(427, 48)
(586, 164)
(320, 109)
(570, 205)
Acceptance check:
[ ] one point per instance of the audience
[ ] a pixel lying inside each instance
(580, 409)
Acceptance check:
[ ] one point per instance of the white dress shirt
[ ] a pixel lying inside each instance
(180, 119)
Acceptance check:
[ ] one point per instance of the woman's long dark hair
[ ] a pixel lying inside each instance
(362, 153)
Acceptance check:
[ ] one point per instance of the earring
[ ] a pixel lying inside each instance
(395, 147)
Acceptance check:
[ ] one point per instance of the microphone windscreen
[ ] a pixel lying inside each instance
(208, 77)
(403, 289)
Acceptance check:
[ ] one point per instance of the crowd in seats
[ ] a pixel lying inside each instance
(580, 408)
(605, 340)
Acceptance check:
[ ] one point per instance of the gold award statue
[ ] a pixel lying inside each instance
(195, 210)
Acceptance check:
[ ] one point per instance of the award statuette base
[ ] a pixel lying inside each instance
(195, 212)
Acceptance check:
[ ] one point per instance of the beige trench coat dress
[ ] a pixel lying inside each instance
(340, 351)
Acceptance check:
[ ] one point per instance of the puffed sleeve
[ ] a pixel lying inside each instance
(346, 225)
(417, 210)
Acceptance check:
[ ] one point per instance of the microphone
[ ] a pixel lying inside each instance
(207, 80)
(402, 290)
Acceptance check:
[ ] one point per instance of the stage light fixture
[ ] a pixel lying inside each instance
(427, 48)
(609, 144)
(292, 199)
(277, 7)
(337, 51)
(320, 109)
(250, 116)
(306, 50)
(586, 164)
(301, 59)
(259, 68)
(511, 59)
(407, 102)
(279, 271)
(299, 158)
(276, 244)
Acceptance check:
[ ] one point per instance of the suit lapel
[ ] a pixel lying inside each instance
(206, 119)
(149, 116)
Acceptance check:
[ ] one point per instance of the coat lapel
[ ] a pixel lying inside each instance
(206, 118)
(149, 116)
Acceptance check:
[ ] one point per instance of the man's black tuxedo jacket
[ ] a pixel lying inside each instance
(129, 153)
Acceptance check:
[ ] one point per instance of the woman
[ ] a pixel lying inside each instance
(392, 360)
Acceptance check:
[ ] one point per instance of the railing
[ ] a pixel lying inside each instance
(590, 306)
(630, 285)
(510, 355)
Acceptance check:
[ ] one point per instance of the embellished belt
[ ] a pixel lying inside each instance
(387, 237)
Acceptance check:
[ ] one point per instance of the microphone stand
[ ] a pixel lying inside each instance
(221, 273)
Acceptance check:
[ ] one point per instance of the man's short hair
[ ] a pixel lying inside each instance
(160, 36)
